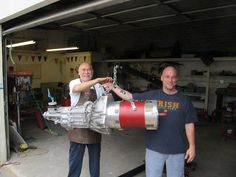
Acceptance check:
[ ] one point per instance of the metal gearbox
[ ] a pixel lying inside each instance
(104, 114)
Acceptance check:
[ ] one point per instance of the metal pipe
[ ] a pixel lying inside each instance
(175, 23)
(208, 9)
(140, 8)
(150, 18)
(100, 27)
(81, 21)
(171, 15)
(130, 22)
(121, 12)
(81, 9)
(18, 111)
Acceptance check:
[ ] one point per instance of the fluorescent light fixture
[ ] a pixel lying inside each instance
(21, 44)
(61, 49)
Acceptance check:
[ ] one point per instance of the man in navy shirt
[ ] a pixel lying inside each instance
(167, 144)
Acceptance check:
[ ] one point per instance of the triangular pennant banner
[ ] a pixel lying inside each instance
(32, 57)
(39, 58)
(19, 57)
(56, 60)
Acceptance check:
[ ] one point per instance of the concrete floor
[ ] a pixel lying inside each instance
(121, 152)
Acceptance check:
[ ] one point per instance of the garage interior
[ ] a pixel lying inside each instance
(139, 36)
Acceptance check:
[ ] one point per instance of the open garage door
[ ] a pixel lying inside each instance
(44, 13)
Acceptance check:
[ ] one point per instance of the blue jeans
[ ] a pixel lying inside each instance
(76, 154)
(155, 163)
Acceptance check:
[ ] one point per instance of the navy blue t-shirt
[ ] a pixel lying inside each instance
(170, 137)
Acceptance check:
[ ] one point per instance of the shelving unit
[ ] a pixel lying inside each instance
(218, 80)
(199, 98)
(200, 89)
(208, 80)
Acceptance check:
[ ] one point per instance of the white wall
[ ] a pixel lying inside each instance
(14, 8)
(3, 137)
